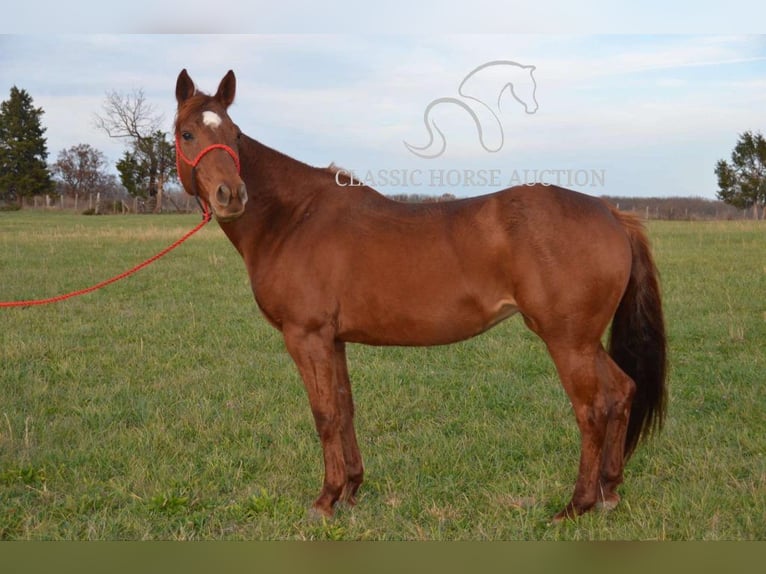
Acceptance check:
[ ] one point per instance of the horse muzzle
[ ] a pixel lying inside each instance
(228, 204)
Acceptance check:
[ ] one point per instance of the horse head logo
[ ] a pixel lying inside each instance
(481, 95)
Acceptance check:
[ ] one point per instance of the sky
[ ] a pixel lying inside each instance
(628, 114)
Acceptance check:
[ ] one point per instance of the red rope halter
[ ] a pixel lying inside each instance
(193, 163)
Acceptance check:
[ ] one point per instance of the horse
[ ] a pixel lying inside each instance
(332, 265)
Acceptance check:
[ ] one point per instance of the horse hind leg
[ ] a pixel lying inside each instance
(582, 372)
(621, 389)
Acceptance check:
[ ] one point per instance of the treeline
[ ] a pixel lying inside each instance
(679, 208)
(421, 197)
(669, 208)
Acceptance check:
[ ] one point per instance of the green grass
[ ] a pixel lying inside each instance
(164, 407)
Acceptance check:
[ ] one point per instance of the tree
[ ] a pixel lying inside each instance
(742, 182)
(81, 169)
(144, 175)
(23, 148)
(150, 162)
(132, 174)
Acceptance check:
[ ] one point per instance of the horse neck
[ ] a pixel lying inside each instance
(279, 187)
(280, 183)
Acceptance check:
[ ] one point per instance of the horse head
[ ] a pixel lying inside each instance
(203, 126)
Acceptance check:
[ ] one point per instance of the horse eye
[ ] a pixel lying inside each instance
(239, 136)
(187, 136)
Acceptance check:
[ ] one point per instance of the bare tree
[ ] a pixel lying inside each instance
(81, 169)
(132, 118)
(128, 116)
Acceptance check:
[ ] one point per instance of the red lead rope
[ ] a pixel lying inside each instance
(206, 215)
(205, 218)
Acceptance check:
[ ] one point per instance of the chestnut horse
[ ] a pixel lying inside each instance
(332, 264)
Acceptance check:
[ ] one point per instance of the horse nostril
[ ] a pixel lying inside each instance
(242, 193)
(223, 195)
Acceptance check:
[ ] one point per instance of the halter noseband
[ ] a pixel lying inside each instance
(193, 163)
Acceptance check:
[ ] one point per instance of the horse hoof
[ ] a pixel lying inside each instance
(348, 497)
(561, 517)
(570, 512)
(317, 514)
(610, 502)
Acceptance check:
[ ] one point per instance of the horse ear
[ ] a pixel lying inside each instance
(227, 89)
(184, 87)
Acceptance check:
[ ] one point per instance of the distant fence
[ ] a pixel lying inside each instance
(680, 208)
(94, 203)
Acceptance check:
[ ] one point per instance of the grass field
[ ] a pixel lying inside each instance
(164, 407)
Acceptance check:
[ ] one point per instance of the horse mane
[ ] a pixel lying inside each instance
(342, 174)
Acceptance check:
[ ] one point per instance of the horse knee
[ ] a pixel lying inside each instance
(327, 424)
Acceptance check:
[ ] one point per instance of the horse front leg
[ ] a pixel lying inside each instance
(314, 355)
(353, 458)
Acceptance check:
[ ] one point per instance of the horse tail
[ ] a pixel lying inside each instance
(637, 341)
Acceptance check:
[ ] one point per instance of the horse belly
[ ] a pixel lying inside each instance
(422, 322)
(437, 287)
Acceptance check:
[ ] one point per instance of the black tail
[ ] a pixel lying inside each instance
(637, 341)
